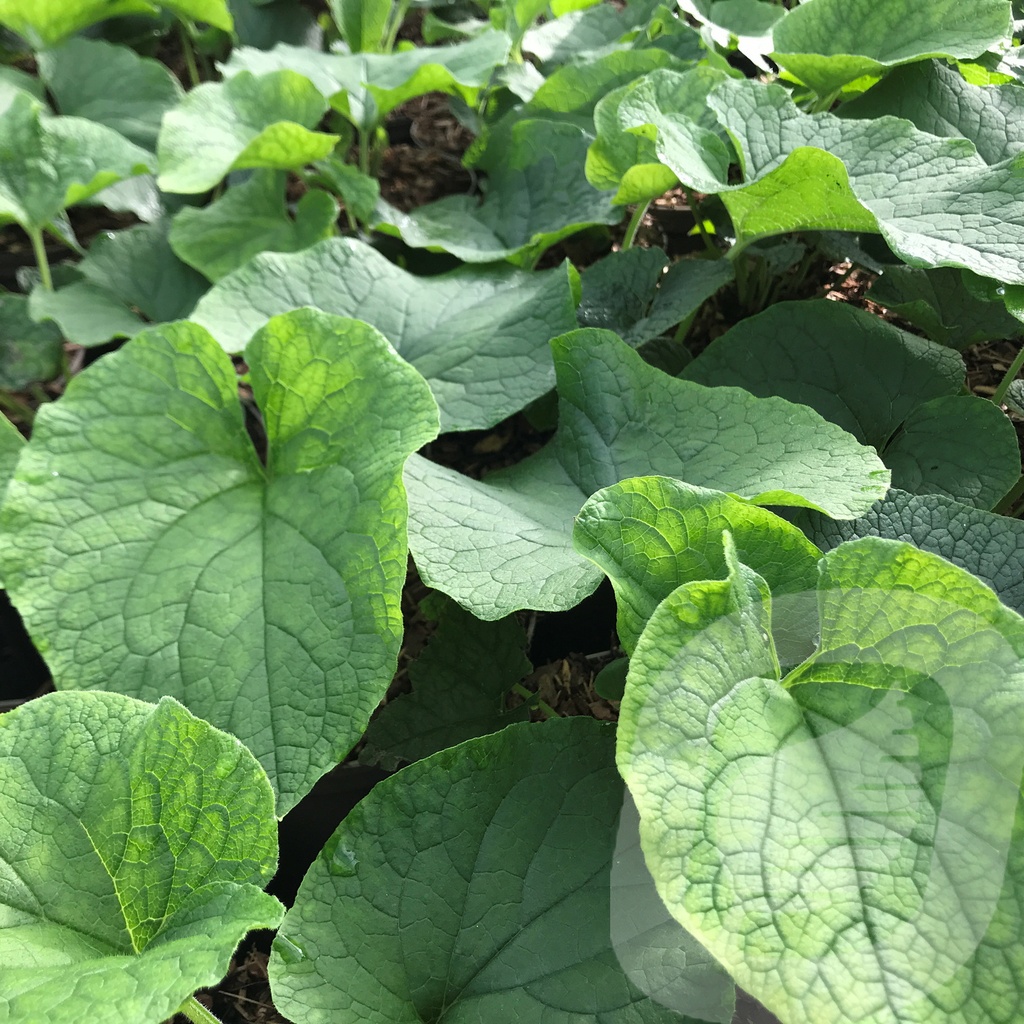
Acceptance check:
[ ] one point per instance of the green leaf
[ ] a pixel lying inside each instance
(961, 446)
(536, 195)
(490, 862)
(830, 43)
(29, 351)
(358, 191)
(988, 546)
(50, 163)
(249, 219)
(136, 841)
(459, 686)
(138, 267)
(145, 466)
(936, 202)
(665, 105)
(362, 22)
(652, 534)
(937, 100)
(479, 335)
(14, 81)
(85, 313)
(267, 24)
(243, 122)
(890, 389)
(637, 294)
(744, 25)
(111, 85)
(11, 444)
(830, 828)
(943, 307)
(586, 35)
(47, 22)
(505, 543)
(365, 87)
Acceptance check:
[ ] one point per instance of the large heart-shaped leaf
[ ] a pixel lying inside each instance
(249, 219)
(829, 43)
(50, 163)
(479, 335)
(46, 22)
(847, 843)
(135, 842)
(987, 545)
(497, 862)
(111, 85)
(652, 534)
(506, 543)
(890, 389)
(243, 122)
(142, 524)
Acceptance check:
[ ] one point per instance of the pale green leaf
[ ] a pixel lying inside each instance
(511, 866)
(249, 219)
(846, 840)
(830, 43)
(651, 534)
(135, 844)
(479, 335)
(586, 34)
(506, 543)
(362, 22)
(744, 25)
(50, 163)
(243, 122)
(142, 522)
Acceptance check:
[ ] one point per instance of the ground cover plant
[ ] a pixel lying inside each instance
(700, 334)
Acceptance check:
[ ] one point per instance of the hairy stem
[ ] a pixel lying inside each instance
(1008, 378)
(39, 248)
(634, 224)
(197, 1013)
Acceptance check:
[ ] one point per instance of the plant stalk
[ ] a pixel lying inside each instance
(531, 698)
(39, 248)
(1010, 499)
(396, 24)
(364, 151)
(189, 53)
(1008, 378)
(709, 242)
(197, 1013)
(634, 224)
(17, 407)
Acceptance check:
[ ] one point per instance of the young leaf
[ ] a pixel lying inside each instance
(136, 840)
(47, 22)
(111, 85)
(505, 543)
(362, 22)
(296, 567)
(829, 828)
(249, 219)
(497, 862)
(479, 335)
(29, 351)
(652, 534)
(830, 43)
(988, 546)
(50, 163)
(243, 122)
(459, 686)
(536, 195)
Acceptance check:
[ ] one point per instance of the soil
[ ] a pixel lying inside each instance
(423, 163)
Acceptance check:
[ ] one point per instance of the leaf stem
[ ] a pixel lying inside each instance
(531, 698)
(634, 224)
(364, 151)
(709, 242)
(1012, 496)
(189, 53)
(39, 248)
(396, 25)
(1008, 378)
(197, 1013)
(21, 409)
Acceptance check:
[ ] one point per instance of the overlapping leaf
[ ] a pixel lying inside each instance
(497, 862)
(505, 543)
(890, 389)
(249, 219)
(135, 843)
(143, 524)
(246, 121)
(830, 43)
(479, 335)
(28, 351)
(829, 828)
